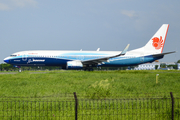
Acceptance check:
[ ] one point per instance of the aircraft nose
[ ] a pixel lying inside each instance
(6, 60)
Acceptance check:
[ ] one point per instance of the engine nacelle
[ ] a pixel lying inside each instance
(74, 65)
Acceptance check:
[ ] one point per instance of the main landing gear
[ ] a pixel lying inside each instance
(88, 69)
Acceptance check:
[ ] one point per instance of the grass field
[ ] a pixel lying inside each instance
(101, 94)
(94, 84)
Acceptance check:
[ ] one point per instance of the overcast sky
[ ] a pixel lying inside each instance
(87, 25)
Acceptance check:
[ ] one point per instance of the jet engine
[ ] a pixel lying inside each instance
(74, 65)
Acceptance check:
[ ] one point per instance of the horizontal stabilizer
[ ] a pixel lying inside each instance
(161, 54)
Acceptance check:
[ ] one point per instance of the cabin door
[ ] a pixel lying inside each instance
(24, 57)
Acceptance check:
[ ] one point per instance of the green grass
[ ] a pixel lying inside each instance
(101, 94)
(96, 84)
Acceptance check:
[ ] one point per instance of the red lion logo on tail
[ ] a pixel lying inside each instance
(157, 43)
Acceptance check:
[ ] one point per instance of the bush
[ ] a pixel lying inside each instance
(99, 89)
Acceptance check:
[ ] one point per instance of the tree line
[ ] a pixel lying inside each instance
(9, 67)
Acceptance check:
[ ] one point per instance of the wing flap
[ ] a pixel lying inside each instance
(105, 59)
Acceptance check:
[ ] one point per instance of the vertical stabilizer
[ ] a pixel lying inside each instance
(156, 43)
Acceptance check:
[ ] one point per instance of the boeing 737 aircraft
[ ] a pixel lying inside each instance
(88, 59)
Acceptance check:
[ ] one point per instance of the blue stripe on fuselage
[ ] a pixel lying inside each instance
(38, 61)
(131, 61)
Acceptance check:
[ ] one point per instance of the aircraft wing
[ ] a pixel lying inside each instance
(105, 59)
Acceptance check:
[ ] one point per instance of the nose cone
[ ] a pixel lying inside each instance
(6, 60)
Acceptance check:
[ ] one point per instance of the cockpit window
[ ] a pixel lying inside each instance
(13, 55)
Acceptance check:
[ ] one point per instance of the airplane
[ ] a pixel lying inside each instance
(86, 60)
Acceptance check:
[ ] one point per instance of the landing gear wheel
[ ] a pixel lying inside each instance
(20, 70)
(90, 69)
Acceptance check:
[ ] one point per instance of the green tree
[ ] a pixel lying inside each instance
(5, 66)
(156, 67)
(174, 66)
(163, 65)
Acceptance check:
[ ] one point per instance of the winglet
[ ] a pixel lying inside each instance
(125, 50)
(122, 53)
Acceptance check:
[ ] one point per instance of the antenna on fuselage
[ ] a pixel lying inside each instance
(98, 49)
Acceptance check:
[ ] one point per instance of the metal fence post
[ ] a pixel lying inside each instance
(172, 99)
(76, 106)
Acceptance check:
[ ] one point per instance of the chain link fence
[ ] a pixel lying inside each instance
(151, 108)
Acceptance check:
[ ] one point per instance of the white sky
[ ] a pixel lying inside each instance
(87, 25)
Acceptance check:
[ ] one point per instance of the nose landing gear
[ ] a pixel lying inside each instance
(19, 68)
